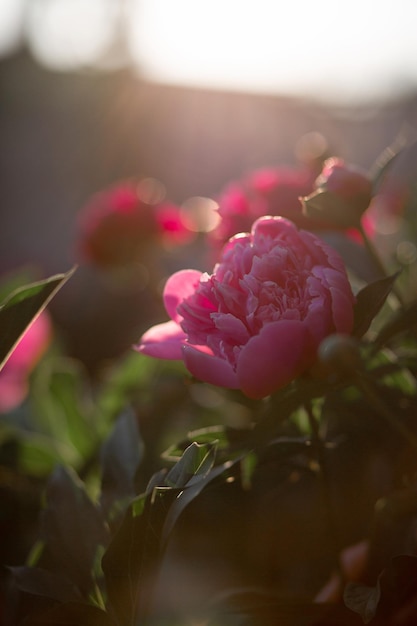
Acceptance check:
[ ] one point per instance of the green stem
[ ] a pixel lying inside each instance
(378, 262)
(320, 448)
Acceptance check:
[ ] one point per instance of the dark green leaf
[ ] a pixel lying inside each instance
(228, 440)
(14, 280)
(121, 456)
(189, 493)
(131, 562)
(396, 587)
(71, 614)
(61, 407)
(72, 528)
(369, 302)
(133, 372)
(41, 582)
(363, 600)
(39, 454)
(197, 459)
(22, 307)
(281, 406)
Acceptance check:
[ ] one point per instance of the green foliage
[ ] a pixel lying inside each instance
(290, 481)
(22, 306)
(369, 302)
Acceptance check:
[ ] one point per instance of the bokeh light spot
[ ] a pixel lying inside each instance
(200, 214)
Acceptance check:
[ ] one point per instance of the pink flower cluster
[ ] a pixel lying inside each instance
(268, 191)
(116, 226)
(256, 322)
(280, 191)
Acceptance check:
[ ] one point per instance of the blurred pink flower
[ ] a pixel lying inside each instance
(268, 191)
(15, 373)
(116, 227)
(255, 324)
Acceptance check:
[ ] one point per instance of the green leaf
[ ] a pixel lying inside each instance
(369, 302)
(131, 562)
(362, 599)
(133, 372)
(22, 307)
(72, 528)
(10, 282)
(71, 614)
(197, 460)
(62, 407)
(191, 491)
(120, 459)
(228, 440)
(41, 582)
(39, 454)
(395, 589)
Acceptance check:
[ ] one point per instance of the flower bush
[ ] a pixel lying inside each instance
(255, 324)
(272, 480)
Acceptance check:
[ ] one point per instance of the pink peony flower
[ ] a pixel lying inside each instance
(117, 225)
(268, 191)
(15, 372)
(255, 324)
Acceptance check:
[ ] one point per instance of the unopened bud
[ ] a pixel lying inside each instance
(343, 193)
(340, 354)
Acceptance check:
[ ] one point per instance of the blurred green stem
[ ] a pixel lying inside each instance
(320, 448)
(374, 254)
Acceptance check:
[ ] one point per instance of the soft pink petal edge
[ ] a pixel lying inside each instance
(209, 368)
(163, 341)
(179, 286)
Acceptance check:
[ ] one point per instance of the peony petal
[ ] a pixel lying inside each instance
(273, 358)
(179, 286)
(209, 368)
(163, 341)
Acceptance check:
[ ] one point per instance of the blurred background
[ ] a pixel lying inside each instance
(194, 94)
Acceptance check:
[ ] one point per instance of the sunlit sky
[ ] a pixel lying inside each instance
(355, 49)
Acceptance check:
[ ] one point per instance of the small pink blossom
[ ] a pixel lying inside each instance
(116, 226)
(268, 191)
(15, 373)
(256, 322)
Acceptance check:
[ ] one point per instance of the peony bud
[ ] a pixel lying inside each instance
(343, 193)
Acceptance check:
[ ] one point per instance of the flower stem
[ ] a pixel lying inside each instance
(320, 449)
(372, 251)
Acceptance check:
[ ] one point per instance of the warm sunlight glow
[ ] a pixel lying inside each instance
(353, 50)
(271, 46)
(64, 34)
(11, 13)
